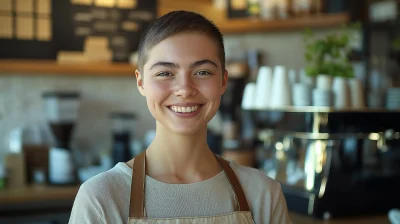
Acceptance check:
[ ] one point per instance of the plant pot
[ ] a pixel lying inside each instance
(324, 82)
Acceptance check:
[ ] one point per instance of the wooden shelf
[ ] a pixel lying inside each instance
(240, 26)
(46, 67)
(245, 25)
(227, 26)
(37, 194)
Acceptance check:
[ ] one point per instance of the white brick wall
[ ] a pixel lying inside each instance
(21, 104)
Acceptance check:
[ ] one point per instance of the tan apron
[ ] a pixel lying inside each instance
(137, 213)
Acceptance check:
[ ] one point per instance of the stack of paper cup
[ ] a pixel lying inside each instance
(263, 88)
(281, 93)
(357, 93)
(341, 93)
(393, 99)
(249, 96)
(301, 95)
(322, 98)
(322, 94)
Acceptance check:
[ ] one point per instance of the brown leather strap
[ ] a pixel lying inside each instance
(136, 208)
(237, 188)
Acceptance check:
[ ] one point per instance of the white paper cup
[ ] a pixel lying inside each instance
(281, 92)
(357, 93)
(322, 98)
(301, 95)
(393, 99)
(249, 96)
(341, 92)
(263, 88)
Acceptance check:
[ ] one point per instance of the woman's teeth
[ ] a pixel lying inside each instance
(184, 109)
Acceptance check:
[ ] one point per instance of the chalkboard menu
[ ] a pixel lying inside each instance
(38, 29)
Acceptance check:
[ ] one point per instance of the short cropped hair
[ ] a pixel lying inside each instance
(177, 22)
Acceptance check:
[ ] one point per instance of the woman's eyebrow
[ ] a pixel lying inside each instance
(202, 62)
(173, 65)
(164, 64)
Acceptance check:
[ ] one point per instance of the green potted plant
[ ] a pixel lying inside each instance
(327, 60)
(328, 55)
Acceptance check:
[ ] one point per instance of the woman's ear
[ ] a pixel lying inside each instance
(224, 81)
(139, 82)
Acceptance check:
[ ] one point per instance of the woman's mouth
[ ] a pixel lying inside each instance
(190, 109)
(186, 110)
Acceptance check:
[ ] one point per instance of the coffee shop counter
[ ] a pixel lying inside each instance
(38, 203)
(54, 203)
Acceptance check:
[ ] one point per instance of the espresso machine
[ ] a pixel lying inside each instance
(61, 111)
(332, 163)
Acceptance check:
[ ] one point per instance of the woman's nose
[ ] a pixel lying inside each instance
(185, 87)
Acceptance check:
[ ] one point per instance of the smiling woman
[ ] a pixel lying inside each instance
(178, 179)
(180, 74)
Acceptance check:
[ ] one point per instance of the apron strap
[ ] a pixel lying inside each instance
(237, 188)
(136, 208)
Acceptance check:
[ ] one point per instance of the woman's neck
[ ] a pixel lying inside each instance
(176, 158)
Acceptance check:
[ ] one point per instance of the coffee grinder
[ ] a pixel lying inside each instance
(61, 111)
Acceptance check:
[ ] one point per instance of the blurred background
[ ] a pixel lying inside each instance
(313, 100)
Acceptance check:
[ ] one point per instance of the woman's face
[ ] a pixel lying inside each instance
(183, 82)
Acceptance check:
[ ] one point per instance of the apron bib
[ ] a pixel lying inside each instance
(137, 213)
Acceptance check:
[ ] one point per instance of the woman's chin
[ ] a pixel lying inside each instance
(185, 130)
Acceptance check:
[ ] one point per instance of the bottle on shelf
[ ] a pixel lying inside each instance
(317, 6)
(254, 8)
(301, 7)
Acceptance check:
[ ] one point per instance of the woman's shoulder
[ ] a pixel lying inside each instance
(254, 177)
(116, 178)
(264, 194)
(250, 173)
(101, 198)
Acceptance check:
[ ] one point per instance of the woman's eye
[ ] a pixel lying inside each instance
(203, 73)
(164, 74)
